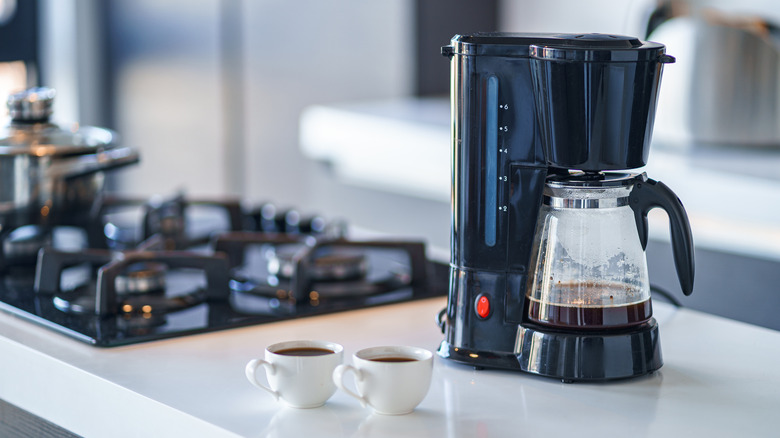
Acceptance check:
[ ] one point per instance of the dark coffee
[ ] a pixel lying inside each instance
(392, 359)
(304, 351)
(585, 311)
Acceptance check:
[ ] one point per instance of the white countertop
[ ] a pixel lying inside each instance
(719, 379)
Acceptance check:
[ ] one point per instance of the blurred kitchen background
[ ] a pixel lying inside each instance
(340, 107)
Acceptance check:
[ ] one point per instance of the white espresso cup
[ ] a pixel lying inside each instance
(299, 373)
(391, 380)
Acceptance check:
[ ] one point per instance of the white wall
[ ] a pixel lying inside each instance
(610, 16)
(169, 86)
(309, 51)
(571, 16)
(672, 124)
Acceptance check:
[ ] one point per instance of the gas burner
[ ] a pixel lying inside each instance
(267, 218)
(328, 263)
(186, 223)
(308, 270)
(182, 223)
(141, 278)
(131, 282)
(283, 290)
(83, 301)
(166, 218)
(21, 245)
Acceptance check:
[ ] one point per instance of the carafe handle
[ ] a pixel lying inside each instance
(648, 194)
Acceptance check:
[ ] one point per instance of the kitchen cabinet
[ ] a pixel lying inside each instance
(15, 422)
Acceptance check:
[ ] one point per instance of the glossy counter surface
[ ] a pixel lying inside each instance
(719, 379)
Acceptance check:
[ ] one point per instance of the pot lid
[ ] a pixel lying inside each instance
(31, 132)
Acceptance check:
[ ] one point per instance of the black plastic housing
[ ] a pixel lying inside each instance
(596, 106)
(573, 356)
(497, 183)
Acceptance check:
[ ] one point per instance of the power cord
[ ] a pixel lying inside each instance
(657, 290)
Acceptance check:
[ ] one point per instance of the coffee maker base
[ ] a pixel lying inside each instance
(570, 357)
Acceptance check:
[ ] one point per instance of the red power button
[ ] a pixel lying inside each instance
(483, 306)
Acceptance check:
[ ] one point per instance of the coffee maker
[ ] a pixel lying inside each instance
(548, 270)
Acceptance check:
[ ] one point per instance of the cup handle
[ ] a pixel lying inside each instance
(251, 374)
(338, 379)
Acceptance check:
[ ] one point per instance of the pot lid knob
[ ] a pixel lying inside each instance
(32, 105)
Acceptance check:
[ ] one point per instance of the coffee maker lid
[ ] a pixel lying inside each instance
(596, 47)
(509, 44)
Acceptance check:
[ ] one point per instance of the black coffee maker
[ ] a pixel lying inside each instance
(548, 271)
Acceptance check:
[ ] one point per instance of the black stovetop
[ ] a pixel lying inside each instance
(223, 283)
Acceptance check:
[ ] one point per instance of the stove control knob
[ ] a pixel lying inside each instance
(482, 306)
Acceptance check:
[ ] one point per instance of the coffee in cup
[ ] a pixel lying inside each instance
(299, 373)
(391, 380)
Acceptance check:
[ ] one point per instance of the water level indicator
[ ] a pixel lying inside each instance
(491, 161)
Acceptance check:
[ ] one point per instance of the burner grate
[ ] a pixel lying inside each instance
(306, 277)
(104, 298)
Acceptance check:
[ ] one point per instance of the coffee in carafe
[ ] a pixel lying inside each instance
(580, 305)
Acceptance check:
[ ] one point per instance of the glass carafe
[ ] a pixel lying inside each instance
(590, 266)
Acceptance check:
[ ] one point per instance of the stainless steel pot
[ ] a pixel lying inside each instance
(50, 175)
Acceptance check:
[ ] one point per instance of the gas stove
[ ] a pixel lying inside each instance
(140, 270)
